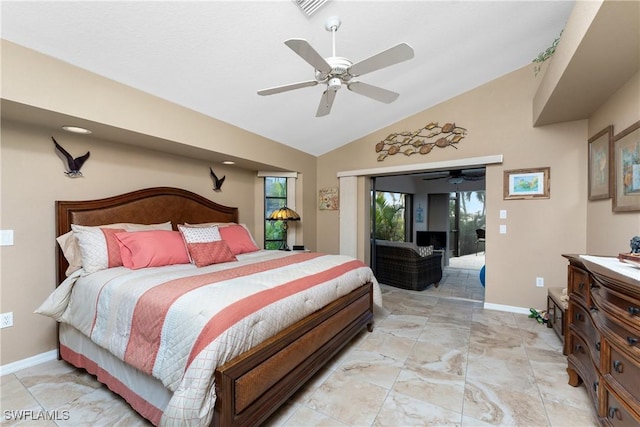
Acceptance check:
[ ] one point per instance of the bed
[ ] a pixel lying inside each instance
(170, 368)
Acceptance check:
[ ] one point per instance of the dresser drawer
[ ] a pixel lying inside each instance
(621, 336)
(616, 413)
(582, 325)
(579, 283)
(622, 307)
(624, 370)
(580, 360)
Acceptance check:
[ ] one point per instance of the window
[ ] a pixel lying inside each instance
(393, 216)
(275, 197)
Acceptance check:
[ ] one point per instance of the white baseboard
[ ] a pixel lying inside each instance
(508, 308)
(10, 368)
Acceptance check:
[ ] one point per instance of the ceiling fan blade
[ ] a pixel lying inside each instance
(399, 53)
(278, 89)
(473, 177)
(309, 54)
(435, 175)
(373, 92)
(326, 102)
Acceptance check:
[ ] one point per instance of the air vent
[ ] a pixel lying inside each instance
(308, 7)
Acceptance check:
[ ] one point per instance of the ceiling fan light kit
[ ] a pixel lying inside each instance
(335, 71)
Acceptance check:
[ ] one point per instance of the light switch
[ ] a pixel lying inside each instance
(6, 237)
(503, 213)
(503, 229)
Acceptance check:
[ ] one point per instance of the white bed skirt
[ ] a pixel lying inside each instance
(144, 393)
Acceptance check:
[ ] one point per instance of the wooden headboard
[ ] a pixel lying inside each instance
(148, 206)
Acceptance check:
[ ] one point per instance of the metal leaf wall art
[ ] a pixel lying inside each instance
(421, 141)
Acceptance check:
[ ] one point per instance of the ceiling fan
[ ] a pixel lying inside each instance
(456, 176)
(336, 71)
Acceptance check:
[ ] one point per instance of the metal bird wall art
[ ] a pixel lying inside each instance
(74, 165)
(217, 182)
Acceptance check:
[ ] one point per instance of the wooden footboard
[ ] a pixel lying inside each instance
(252, 386)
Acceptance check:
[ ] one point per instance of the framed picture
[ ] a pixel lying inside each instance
(526, 183)
(626, 151)
(600, 178)
(328, 199)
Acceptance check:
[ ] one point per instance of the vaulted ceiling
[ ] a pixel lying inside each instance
(214, 56)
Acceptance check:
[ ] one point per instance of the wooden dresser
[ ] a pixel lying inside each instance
(603, 336)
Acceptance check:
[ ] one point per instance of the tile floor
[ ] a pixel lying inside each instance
(436, 359)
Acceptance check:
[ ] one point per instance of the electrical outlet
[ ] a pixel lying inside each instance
(540, 282)
(6, 319)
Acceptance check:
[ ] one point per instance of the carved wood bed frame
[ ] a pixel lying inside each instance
(250, 387)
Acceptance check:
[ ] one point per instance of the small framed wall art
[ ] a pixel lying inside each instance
(600, 178)
(328, 199)
(626, 152)
(527, 183)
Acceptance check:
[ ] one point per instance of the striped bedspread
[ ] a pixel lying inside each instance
(178, 323)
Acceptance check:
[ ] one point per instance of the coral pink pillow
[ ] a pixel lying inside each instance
(208, 253)
(156, 248)
(238, 239)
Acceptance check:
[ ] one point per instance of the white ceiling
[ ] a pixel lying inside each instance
(213, 56)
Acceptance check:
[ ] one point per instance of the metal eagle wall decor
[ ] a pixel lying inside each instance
(420, 141)
(74, 165)
(217, 182)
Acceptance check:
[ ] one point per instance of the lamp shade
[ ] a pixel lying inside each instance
(284, 214)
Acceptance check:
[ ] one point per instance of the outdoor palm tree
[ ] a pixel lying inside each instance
(389, 219)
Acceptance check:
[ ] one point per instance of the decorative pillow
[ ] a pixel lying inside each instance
(425, 250)
(225, 224)
(154, 248)
(193, 234)
(208, 253)
(239, 239)
(71, 249)
(98, 247)
(199, 234)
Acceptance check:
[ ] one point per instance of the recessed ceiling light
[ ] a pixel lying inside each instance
(76, 129)
(228, 162)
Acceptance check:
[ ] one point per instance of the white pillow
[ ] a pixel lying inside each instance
(199, 234)
(424, 251)
(71, 249)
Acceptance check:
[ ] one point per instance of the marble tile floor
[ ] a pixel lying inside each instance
(435, 359)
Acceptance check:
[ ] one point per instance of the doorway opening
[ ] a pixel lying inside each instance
(439, 209)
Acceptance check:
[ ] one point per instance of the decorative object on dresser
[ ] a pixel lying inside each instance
(626, 153)
(600, 166)
(603, 333)
(633, 257)
(74, 165)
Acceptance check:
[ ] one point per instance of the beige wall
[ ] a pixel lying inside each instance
(498, 119)
(609, 232)
(32, 179)
(138, 141)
